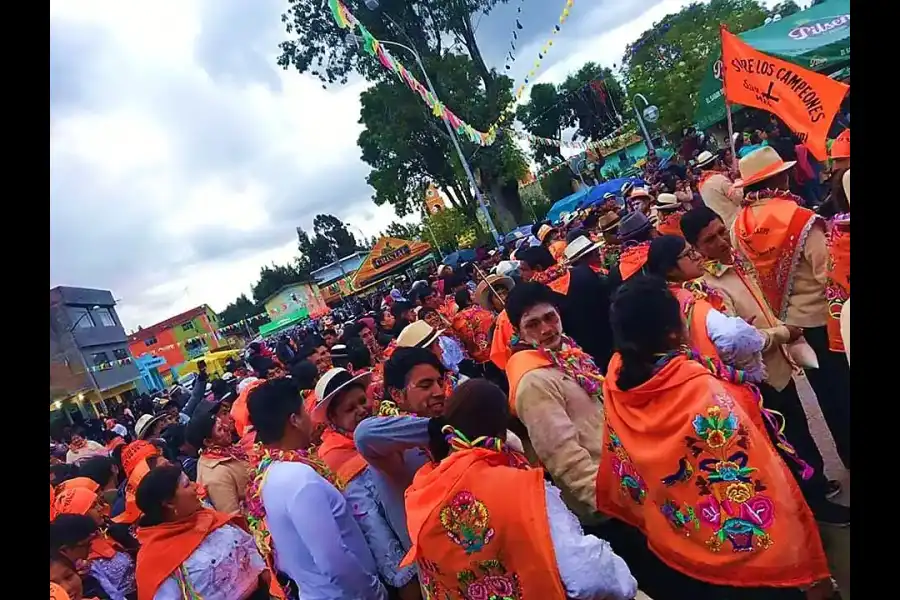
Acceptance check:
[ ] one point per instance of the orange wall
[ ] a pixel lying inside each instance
(174, 356)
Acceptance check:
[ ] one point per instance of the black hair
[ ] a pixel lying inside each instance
(838, 196)
(155, 489)
(404, 360)
(379, 318)
(644, 315)
(536, 257)
(309, 347)
(198, 429)
(98, 469)
(456, 279)
(219, 388)
(769, 183)
(476, 408)
(358, 355)
(425, 311)
(67, 531)
(77, 430)
(271, 404)
(463, 298)
(537, 227)
(695, 220)
(328, 331)
(663, 254)
(62, 472)
(399, 307)
(351, 331)
(304, 373)
(525, 296)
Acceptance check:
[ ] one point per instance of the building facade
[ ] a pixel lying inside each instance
(90, 365)
(178, 339)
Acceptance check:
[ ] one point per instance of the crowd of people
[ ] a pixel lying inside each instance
(608, 413)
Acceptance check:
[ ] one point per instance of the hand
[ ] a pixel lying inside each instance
(796, 333)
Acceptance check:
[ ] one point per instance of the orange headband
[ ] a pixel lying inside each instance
(84, 483)
(75, 501)
(135, 452)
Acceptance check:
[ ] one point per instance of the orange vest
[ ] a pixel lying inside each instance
(503, 333)
(517, 366)
(837, 290)
(340, 454)
(471, 538)
(132, 513)
(695, 311)
(240, 412)
(688, 461)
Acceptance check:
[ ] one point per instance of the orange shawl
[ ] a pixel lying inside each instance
(772, 236)
(632, 259)
(164, 547)
(85, 483)
(240, 412)
(135, 453)
(670, 224)
(557, 250)
(472, 538)
(340, 454)
(503, 334)
(473, 326)
(132, 513)
(837, 290)
(695, 311)
(687, 460)
(520, 363)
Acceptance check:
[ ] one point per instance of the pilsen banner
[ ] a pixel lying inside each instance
(386, 255)
(806, 101)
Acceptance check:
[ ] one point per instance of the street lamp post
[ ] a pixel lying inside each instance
(640, 119)
(353, 39)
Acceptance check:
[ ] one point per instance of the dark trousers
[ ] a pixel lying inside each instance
(796, 430)
(831, 382)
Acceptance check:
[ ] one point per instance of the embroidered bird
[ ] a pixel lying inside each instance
(684, 473)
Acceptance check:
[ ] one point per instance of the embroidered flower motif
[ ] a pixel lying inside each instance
(680, 518)
(467, 522)
(491, 582)
(739, 492)
(630, 481)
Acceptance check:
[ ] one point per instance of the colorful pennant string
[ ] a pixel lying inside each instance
(617, 137)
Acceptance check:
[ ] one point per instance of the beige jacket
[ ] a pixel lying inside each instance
(743, 298)
(719, 194)
(226, 481)
(807, 306)
(565, 428)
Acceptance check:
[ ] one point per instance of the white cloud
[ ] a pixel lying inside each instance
(182, 157)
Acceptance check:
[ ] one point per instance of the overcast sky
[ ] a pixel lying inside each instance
(183, 158)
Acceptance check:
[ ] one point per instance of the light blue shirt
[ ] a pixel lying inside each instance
(379, 440)
(317, 541)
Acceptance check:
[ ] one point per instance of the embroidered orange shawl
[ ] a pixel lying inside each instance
(670, 224)
(687, 460)
(632, 259)
(772, 236)
(473, 326)
(837, 290)
(472, 538)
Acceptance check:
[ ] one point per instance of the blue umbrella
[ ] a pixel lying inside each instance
(595, 196)
(460, 256)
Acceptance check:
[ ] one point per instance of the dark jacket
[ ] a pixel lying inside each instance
(586, 313)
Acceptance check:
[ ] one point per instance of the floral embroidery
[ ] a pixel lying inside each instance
(432, 588)
(681, 519)
(473, 326)
(632, 484)
(733, 504)
(467, 522)
(491, 582)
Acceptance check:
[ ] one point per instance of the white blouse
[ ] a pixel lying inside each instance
(226, 566)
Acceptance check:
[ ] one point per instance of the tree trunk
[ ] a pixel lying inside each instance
(468, 35)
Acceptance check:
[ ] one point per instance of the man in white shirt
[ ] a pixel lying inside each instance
(314, 535)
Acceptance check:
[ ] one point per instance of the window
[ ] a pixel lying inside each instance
(104, 317)
(99, 358)
(80, 318)
(120, 353)
(150, 341)
(189, 326)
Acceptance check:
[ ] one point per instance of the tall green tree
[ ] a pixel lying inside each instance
(330, 240)
(544, 115)
(319, 47)
(785, 9)
(668, 61)
(241, 308)
(403, 231)
(595, 101)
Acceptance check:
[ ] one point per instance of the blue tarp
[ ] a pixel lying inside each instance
(595, 196)
(567, 204)
(461, 256)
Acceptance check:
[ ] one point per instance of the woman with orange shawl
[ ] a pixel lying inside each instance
(688, 461)
(70, 539)
(110, 563)
(188, 551)
(837, 290)
(473, 538)
(342, 405)
(472, 325)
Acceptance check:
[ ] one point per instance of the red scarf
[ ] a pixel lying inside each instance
(234, 451)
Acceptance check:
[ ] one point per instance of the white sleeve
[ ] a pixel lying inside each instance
(588, 567)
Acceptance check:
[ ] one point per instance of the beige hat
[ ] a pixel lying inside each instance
(639, 192)
(705, 158)
(482, 292)
(331, 383)
(667, 202)
(762, 164)
(579, 247)
(845, 181)
(145, 423)
(845, 327)
(544, 231)
(418, 335)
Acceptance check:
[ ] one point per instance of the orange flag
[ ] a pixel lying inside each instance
(805, 100)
